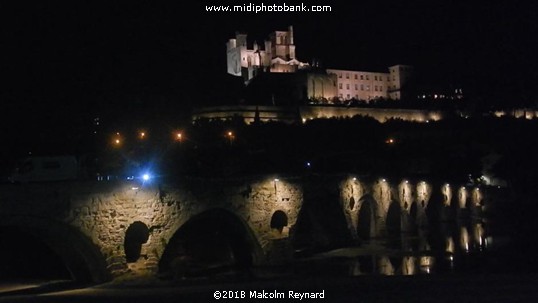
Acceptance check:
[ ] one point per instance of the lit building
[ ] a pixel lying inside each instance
(363, 85)
(277, 56)
(279, 87)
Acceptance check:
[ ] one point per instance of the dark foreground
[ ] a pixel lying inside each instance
(370, 288)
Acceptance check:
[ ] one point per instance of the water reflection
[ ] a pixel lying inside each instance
(391, 265)
(450, 247)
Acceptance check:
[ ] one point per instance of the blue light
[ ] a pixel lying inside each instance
(146, 177)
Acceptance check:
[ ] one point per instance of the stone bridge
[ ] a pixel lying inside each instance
(105, 229)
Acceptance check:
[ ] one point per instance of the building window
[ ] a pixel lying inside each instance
(356, 87)
(362, 86)
(381, 88)
(340, 85)
(347, 96)
(339, 75)
(347, 85)
(375, 88)
(340, 96)
(347, 75)
(367, 78)
(357, 97)
(367, 87)
(355, 76)
(362, 77)
(375, 78)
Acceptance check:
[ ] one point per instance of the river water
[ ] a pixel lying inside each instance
(451, 247)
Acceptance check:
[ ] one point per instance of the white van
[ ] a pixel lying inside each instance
(40, 169)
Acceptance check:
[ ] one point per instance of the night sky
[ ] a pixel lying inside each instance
(67, 62)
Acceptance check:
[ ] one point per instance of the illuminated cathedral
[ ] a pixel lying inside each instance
(278, 56)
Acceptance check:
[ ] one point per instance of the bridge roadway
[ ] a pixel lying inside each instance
(106, 229)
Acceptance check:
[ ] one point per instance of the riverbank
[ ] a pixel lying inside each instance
(371, 288)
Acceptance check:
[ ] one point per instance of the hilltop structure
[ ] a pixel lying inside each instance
(278, 55)
(308, 81)
(364, 85)
(280, 87)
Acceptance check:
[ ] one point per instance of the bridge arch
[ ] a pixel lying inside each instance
(413, 217)
(462, 198)
(366, 223)
(279, 220)
(82, 259)
(211, 241)
(136, 234)
(394, 219)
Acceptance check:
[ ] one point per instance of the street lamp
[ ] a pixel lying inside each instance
(230, 136)
(117, 140)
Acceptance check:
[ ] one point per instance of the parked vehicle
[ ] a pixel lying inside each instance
(43, 168)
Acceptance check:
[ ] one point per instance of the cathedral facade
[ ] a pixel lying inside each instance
(277, 56)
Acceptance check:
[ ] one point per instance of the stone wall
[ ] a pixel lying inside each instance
(291, 114)
(105, 216)
(409, 195)
(268, 207)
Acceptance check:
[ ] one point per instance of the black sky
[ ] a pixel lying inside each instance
(73, 60)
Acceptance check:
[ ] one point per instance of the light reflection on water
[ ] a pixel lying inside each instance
(450, 248)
